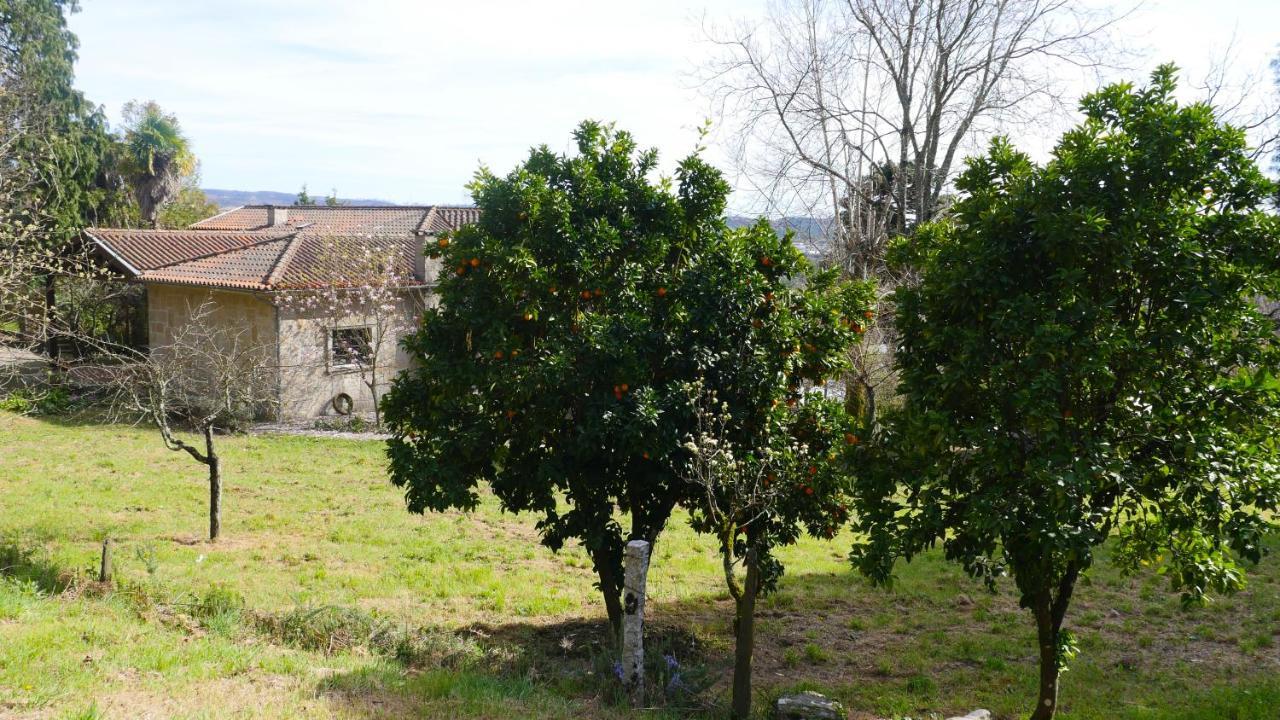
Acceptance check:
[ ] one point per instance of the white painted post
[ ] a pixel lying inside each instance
(633, 592)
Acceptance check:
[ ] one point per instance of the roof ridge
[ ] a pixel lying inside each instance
(215, 253)
(212, 217)
(180, 231)
(283, 260)
(329, 207)
(425, 222)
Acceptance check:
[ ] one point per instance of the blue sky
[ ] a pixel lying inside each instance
(403, 99)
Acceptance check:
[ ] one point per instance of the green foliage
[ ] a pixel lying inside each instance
(51, 400)
(572, 317)
(769, 474)
(188, 207)
(304, 198)
(156, 157)
(1083, 355)
(64, 157)
(17, 402)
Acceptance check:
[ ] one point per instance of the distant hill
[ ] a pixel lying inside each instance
(809, 230)
(236, 198)
(806, 228)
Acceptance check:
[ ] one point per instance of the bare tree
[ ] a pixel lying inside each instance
(357, 299)
(208, 378)
(737, 497)
(859, 111)
(1245, 95)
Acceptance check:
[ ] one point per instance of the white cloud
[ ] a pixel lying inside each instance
(402, 100)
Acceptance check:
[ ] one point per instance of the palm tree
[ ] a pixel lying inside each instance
(157, 156)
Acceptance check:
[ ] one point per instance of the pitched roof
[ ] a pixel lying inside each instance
(246, 268)
(236, 249)
(443, 218)
(376, 219)
(151, 249)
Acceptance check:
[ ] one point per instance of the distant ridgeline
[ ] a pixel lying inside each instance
(809, 230)
(227, 199)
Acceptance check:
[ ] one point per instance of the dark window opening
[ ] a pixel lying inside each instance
(350, 346)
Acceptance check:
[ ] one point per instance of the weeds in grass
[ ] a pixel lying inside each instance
(25, 564)
(815, 654)
(332, 629)
(146, 554)
(921, 685)
(90, 713)
(17, 596)
(52, 400)
(220, 610)
(671, 682)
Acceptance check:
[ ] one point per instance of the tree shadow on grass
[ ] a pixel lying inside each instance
(938, 642)
(523, 669)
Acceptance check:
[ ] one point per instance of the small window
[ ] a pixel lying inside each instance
(350, 347)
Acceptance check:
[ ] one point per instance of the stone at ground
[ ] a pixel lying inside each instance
(807, 706)
(975, 715)
(21, 368)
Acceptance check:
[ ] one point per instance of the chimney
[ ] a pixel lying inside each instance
(420, 259)
(277, 216)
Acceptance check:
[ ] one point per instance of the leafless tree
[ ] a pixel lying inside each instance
(357, 300)
(860, 110)
(208, 378)
(1248, 99)
(737, 495)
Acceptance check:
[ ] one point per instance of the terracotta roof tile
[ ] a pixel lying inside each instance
(389, 219)
(307, 263)
(443, 218)
(237, 250)
(248, 268)
(150, 249)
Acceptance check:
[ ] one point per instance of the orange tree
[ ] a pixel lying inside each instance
(1084, 356)
(572, 318)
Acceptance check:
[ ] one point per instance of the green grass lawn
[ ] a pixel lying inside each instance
(472, 618)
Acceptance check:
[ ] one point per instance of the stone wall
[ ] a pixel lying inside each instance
(169, 307)
(309, 379)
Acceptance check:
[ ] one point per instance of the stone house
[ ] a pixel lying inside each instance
(248, 266)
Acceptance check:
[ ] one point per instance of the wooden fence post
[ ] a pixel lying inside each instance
(104, 570)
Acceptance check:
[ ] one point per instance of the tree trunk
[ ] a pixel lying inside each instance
(1047, 702)
(611, 589)
(1050, 610)
(854, 397)
(634, 591)
(215, 485)
(1047, 636)
(744, 625)
(50, 307)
